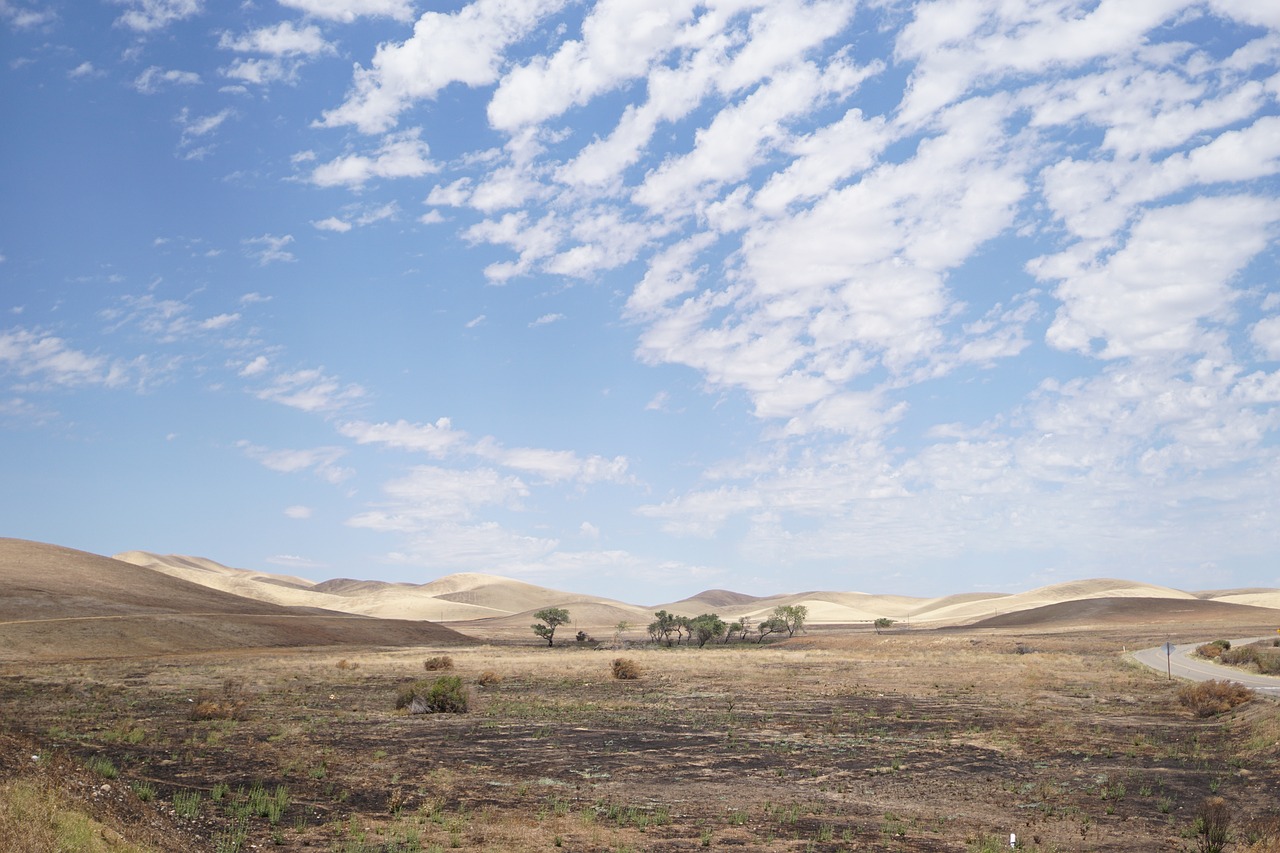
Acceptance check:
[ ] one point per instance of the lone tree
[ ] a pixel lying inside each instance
(772, 625)
(792, 616)
(552, 618)
(883, 623)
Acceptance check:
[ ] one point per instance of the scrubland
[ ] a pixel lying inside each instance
(835, 740)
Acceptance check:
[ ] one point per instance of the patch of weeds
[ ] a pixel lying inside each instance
(145, 791)
(103, 766)
(438, 663)
(186, 804)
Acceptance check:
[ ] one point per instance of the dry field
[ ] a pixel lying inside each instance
(836, 740)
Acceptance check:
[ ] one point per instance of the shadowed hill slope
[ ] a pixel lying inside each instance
(61, 603)
(1106, 612)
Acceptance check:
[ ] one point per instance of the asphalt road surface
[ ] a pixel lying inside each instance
(1182, 664)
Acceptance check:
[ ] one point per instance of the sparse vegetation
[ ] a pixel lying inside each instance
(1210, 698)
(561, 752)
(883, 624)
(488, 677)
(438, 663)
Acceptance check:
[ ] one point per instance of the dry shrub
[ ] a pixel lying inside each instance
(1209, 698)
(625, 669)
(437, 663)
(233, 704)
(1213, 825)
(1209, 650)
(346, 664)
(1240, 656)
(488, 677)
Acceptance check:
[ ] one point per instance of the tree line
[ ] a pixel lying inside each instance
(670, 629)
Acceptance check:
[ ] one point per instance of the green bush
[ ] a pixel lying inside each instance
(444, 695)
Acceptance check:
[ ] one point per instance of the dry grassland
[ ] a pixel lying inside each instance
(832, 741)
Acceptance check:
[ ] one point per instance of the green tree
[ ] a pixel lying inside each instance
(662, 626)
(793, 617)
(883, 623)
(705, 627)
(773, 625)
(738, 626)
(552, 618)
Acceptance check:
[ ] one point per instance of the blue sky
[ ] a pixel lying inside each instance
(639, 298)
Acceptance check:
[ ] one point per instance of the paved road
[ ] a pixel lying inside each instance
(1183, 665)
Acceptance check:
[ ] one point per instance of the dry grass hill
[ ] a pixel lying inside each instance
(58, 602)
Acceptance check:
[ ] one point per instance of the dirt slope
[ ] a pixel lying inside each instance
(58, 603)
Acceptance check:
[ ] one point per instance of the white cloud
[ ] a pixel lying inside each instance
(546, 320)
(431, 494)
(155, 78)
(321, 461)
(332, 223)
(400, 155)
(298, 512)
(44, 359)
(432, 438)
(311, 390)
(1266, 334)
(347, 11)
(269, 248)
(21, 18)
(150, 15)
(283, 39)
(465, 47)
(84, 69)
(256, 367)
(1154, 295)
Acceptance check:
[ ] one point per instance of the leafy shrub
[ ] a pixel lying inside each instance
(1210, 650)
(1223, 644)
(1210, 698)
(444, 695)
(437, 663)
(625, 669)
(488, 677)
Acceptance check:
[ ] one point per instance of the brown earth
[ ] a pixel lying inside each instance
(838, 739)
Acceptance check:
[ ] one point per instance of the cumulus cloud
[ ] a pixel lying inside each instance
(464, 47)
(400, 155)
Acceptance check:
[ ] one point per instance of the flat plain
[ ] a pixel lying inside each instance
(924, 738)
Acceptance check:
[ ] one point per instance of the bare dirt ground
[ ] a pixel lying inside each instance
(835, 740)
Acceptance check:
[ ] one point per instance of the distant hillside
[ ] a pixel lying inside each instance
(491, 605)
(58, 603)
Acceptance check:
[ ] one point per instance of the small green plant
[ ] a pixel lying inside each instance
(219, 791)
(186, 804)
(103, 766)
(145, 791)
(444, 695)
